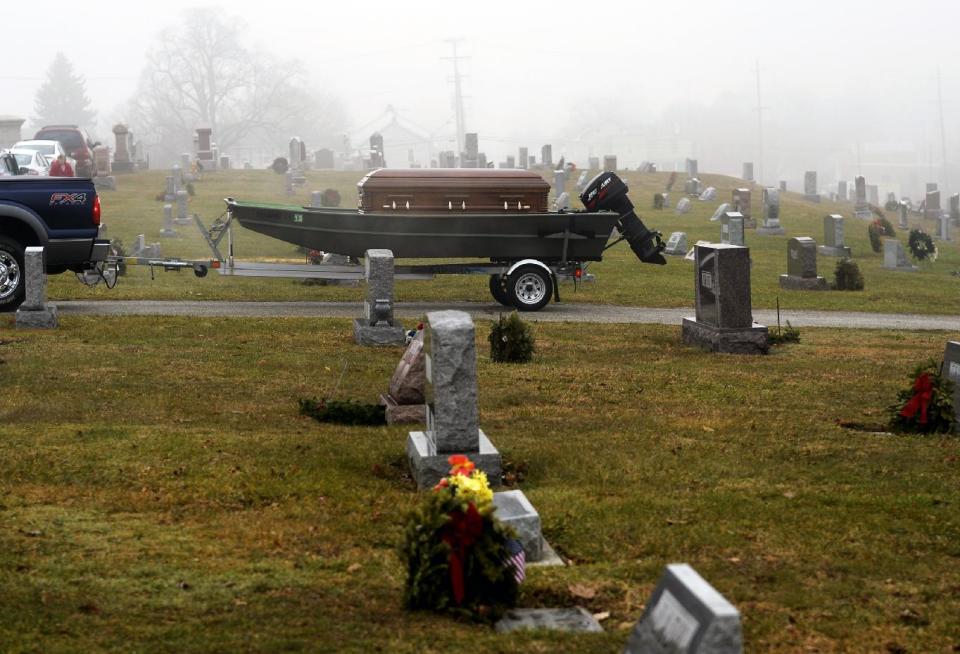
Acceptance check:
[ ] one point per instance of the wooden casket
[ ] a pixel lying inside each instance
(453, 190)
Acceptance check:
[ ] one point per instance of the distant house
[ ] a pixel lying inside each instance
(404, 144)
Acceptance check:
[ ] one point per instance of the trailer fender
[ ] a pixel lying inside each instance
(525, 262)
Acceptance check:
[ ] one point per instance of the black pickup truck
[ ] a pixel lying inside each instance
(62, 214)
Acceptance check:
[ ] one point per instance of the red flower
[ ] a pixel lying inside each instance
(920, 402)
(461, 465)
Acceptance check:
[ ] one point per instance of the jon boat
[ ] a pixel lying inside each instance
(500, 215)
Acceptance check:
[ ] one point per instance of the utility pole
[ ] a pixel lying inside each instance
(943, 136)
(457, 94)
(760, 109)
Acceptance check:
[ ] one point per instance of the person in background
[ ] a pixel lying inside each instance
(61, 167)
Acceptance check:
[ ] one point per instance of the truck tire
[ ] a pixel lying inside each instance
(498, 292)
(529, 288)
(12, 280)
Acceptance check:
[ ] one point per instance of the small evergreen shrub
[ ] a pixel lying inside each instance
(847, 276)
(511, 340)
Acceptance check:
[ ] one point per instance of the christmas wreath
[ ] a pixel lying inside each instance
(927, 406)
(922, 247)
(460, 558)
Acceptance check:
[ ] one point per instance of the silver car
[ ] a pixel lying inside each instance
(49, 149)
(33, 161)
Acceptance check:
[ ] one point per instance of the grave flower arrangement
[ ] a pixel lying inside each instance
(457, 552)
(927, 406)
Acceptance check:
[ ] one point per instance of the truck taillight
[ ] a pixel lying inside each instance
(96, 210)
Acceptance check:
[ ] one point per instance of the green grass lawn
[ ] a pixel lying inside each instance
(621, 278)
(159, 491)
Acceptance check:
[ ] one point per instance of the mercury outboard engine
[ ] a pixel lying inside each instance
(607, 192)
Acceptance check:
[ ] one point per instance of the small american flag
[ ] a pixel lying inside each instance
(516, 559)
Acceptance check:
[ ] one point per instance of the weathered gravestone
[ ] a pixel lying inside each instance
(931, 186)
(802, 266)
(842, 193)
(833, 245)
(170, 190)
(683, 206)
(718, 214)
(405, 400)
(724, 314)
(810, 186)
(205, 148)
(860, 207)
(771, 214)
(676, 244)
(709, 194)
(559, 182)
(691, 166)
(167, 231)
(873, 194)
(686, 614)
(573, 619)
(692, 186)
(377, 326)
(732, 228)
(316, 199)
(943, 226)
(121, 153)
(610, 163)
(894, 257)
(932, 206)
(903, 210)
(34, 312)
(955, 209)
(324, 159)
(742, 199)
(783, 187)
(546, 156)
(951, 368)
(523, 158)
(182, 217)
(748, 171)
(452, 411)
(593, 163)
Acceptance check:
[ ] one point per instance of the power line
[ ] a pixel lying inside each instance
(457, 93)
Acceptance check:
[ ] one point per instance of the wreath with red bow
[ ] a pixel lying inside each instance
(927, 406)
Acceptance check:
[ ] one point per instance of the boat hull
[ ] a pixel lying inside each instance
(499, 237)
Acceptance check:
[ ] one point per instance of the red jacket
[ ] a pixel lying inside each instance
(61, 170)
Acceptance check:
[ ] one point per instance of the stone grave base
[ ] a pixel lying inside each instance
(108, 183)
(748, 340)
(45, 318)
(403, 414)
(429, 466)
(830, 251)
(812, 198)
(771, 231)
(901, 268)
(365, 334)
(792, 283)
(574, 619)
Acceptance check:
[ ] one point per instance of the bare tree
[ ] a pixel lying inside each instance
(201, 74)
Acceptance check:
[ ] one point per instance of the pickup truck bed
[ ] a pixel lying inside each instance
(62, 214)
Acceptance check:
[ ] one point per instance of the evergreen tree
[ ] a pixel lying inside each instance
(62, 99)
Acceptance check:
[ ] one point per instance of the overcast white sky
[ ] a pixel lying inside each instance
(534, 65)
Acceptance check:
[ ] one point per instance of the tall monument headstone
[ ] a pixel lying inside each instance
(452, 407)
(771, 214)
(810, 186)
(34, 312)
(377, 326)
(122, 162)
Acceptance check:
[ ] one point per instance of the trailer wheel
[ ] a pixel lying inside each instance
(12, 281)
(200, 270)
(498, 292)
(529, 288)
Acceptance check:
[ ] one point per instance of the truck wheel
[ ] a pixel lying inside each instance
(12, 282)
(498, 292)
(529, 288)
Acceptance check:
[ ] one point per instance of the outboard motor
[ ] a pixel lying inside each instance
(607, 192)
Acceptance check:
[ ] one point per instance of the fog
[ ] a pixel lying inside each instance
(847, 86)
